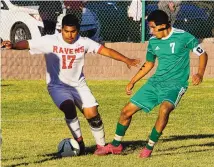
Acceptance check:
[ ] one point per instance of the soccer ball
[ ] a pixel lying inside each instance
(68, 147)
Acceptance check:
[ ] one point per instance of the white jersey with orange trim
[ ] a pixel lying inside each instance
(64, 61)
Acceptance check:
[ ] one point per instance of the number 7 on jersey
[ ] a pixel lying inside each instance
(172, 45)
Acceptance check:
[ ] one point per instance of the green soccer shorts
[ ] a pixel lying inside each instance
(151, 95)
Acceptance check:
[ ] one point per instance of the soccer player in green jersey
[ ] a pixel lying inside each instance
(172, 48)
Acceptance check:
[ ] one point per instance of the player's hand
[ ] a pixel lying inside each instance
(129, 88)
(6, 44)
(133, 62)
(197, 79)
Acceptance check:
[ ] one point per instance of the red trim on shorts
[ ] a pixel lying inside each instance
(99, 50)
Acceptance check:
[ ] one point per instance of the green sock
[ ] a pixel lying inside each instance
(120, 132)
(153, 139)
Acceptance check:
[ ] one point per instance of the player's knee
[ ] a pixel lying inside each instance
(95, 122)
(125, 114)
(69, 109)
(165, 110)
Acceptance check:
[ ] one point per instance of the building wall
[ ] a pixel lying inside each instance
(19, 64)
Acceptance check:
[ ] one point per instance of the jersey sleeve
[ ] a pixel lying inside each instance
(150, 56)
(92, 46)
(193, 44)
(36, 45)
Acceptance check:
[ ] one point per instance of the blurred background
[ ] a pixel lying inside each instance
(102, 21)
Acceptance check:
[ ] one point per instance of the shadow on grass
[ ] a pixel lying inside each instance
(51, 156)
(131, 146)
(4, 85)
(211, 144)
(185, 137)
(185, 152)
(172, 151)
(13, 159)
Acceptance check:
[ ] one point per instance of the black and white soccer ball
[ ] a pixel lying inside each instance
(68, 147)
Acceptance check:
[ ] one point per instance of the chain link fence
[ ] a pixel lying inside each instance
(103, 21)
(195, 17)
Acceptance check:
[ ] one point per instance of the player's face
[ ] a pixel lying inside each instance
(69, 33)
(154, 29)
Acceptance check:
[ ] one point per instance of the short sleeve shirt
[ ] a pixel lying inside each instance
(64, 61)
(172, 53)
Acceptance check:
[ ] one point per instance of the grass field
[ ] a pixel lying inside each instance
(32, 127)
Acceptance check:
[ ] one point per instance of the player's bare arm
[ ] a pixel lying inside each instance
(197, 78)
(19, 45)
(117, 56)
(146, 67)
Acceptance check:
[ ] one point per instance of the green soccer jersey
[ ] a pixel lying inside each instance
(172, 53)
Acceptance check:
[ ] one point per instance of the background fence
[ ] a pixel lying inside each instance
(108, 20)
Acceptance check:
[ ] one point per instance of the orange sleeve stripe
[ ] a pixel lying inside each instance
(99, 50)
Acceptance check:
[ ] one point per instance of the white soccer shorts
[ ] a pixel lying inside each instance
(80, 95)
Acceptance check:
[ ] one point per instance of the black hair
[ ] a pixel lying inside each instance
(158, 17)
(70, 20)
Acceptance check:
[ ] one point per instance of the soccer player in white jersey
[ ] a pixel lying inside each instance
(64, 54)
(171, 47)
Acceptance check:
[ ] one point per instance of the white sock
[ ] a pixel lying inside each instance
(99, 135)
(74, 126)
(151, 143)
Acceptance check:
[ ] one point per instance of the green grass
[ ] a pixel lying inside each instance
(32, 127)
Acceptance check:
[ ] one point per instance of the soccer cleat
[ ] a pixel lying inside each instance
(109, 149)
(145, 153)
(82, 147)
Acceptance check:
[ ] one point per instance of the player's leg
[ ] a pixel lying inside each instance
(169, 97)
(124, 121)
(163, 116)
(72, 121)
(144, 99)
(161, 122)
(65, 102)
(96, 125)
(86, 102)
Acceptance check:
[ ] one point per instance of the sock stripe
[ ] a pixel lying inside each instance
(151, 143)
(118, 138)
(97, 129)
